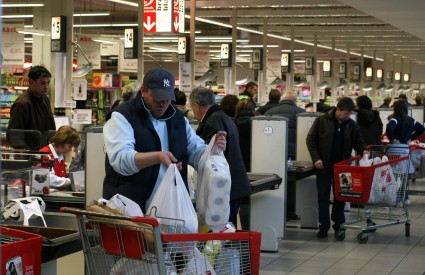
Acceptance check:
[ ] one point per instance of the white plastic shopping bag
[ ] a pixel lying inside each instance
(25, 208)
(125, 205)
(172, 201)
(213, 190)
(198, 264)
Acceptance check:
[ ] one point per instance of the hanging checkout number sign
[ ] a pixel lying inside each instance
(226, 55)
(58, 34)
(130, 43)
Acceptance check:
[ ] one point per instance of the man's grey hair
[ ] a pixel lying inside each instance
(202, 96)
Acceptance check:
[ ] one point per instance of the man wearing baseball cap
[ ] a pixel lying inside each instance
(144, 135)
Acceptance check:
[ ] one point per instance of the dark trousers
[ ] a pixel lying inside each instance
(234, 210)
(324, 182)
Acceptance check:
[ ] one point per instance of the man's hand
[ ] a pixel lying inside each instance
(220, 140)
(168, 158)
(318, 164)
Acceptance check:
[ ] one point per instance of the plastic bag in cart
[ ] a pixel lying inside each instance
(385, 185)
(198, 264)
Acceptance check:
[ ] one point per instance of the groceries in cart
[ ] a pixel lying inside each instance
(115, 244)
(371, 180)
(417, 156)
(380, 185)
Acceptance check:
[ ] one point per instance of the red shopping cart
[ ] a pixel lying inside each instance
(114, 244)
(380, 188)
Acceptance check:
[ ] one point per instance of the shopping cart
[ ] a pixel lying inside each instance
(114, 244)
(417, 156)
(380, 188)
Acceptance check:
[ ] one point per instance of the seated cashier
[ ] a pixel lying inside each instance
(60, 144)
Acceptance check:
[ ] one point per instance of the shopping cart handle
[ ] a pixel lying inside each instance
(78, 212)
(148, 220)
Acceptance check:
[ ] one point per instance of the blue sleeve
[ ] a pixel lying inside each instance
(195, 145)
(119, 144)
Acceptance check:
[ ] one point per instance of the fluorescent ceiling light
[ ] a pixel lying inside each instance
(17, 16)
(33, 31)
(195, 31)
(104, 41)
(21, 5)
(281, 37)
(105, 25)
(295, 51)
(160, 49)
(92, 14)
(258, 46)
(125, 2)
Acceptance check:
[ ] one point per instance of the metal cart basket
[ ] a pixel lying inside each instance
(114, 244)
(380, 188)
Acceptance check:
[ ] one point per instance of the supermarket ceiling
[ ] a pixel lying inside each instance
(384, 28)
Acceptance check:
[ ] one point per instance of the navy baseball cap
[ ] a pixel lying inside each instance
(161, 83)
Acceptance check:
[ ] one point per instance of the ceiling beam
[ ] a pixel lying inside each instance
(367, 20)
(282, 13)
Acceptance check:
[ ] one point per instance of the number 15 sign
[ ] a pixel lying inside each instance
(58, 34)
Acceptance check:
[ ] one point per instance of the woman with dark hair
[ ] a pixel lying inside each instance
(402, 129)
(369, 121)
(228, 104)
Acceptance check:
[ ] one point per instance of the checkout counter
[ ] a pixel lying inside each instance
(61, 237)
(268, 208)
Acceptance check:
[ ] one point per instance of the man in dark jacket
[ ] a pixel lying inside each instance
(212, 120)
(330, 140)
(289, 109)
(274, 98)
(32, 111)
(146, 134)
(250, 92)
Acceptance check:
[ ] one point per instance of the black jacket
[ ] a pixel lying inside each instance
(320, 137)
(263, 109)
(30, 113)
(216, 120)
(288, 109)
(370, 126)
(244, 124)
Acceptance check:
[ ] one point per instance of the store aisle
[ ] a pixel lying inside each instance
(388, 251)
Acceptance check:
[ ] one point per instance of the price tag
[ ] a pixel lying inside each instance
(56, 27)
(70, 103)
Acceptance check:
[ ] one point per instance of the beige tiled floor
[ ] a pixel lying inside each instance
(388, 250)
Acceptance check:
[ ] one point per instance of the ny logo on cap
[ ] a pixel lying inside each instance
(166, 83)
